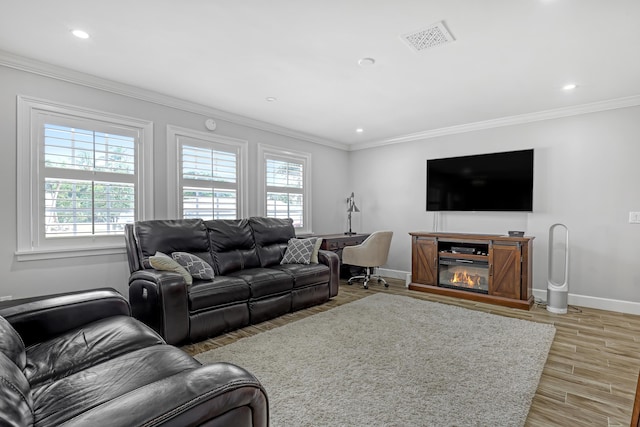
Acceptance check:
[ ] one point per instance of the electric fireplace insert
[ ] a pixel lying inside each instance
(464, 274)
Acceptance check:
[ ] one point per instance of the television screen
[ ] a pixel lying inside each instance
(485, 182)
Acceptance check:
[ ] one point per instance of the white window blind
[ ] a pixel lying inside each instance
(89, 181)
(208, 181)
(285, 190)
(206, 175)
(285, 187)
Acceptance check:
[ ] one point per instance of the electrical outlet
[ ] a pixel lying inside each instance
(6, 298)
(634, 217)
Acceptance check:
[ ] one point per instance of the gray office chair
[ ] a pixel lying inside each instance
(370, 254)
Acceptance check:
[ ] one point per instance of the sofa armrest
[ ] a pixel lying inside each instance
(332, 260)
(160, 300)
(216, 394)
(39, 318)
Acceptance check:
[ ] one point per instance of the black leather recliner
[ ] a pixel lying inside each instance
(80, 359)
(250, 284)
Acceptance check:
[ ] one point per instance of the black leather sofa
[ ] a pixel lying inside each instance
(249, 287)
(80, 359)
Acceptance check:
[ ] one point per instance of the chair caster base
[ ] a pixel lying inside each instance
(381, 280)
(366, 278)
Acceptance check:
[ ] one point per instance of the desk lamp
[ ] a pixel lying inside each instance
(351, 207)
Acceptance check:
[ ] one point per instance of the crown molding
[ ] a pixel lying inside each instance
(593, 107)
(71, 76)
(65, 74)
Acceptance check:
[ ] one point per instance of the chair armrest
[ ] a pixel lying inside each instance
(332, 260)
(160, 300)
(40, 318)
(354, 255)
(216, 394)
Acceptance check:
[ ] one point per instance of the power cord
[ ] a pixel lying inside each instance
(539, 302)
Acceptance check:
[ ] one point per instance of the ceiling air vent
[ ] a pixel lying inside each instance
(435, 35)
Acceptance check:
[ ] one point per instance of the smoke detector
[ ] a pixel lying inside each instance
(432, 36)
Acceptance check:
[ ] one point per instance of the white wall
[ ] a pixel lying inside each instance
(587, 172)
(586, 169)
(31, 278)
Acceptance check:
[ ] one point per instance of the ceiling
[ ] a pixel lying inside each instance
(509, 58)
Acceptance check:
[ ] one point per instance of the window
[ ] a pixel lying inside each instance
(286, 186)
(89, 181)
(209, 171)
(80, 179)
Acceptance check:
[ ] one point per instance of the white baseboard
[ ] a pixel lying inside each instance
(573, 299)
(595, 302)
(396, 274)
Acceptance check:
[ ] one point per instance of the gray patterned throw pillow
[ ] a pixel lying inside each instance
(298, 251)
(196, 266)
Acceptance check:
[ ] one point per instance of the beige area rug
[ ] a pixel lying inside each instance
(389, 360)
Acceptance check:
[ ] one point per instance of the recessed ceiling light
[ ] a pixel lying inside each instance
(271, 99)
(359, 130)
(80, 34)
(366, 62)
(570, 86)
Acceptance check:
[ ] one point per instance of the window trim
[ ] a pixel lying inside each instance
(265, 151)
(173, 170)
(30, 245)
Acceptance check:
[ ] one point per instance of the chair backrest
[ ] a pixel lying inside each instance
(373, 252)
(145, 238)
(271, 236)
(232, 245)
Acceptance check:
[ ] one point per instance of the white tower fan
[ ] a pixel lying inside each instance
(557, 293)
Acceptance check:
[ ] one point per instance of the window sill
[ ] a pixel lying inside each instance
(57, 253)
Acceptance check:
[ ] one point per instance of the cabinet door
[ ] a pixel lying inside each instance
(424, 261)
(505, 271)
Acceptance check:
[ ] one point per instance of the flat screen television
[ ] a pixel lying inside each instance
(484, 182)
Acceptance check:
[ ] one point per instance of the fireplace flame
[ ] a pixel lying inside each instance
(462, 278)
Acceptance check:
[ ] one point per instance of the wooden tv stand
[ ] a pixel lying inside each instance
(507, 259)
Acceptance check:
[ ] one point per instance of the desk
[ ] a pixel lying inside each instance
(336, 242)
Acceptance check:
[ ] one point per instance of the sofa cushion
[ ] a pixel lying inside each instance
(271, 236)
(221, 291)
(196, 266)
(11, 344)
(265, 281)
(58, 401)
(171, 235)
(232, 245)
(306, 275)
(80, 348)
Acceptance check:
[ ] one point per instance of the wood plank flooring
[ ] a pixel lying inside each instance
(590, 375)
